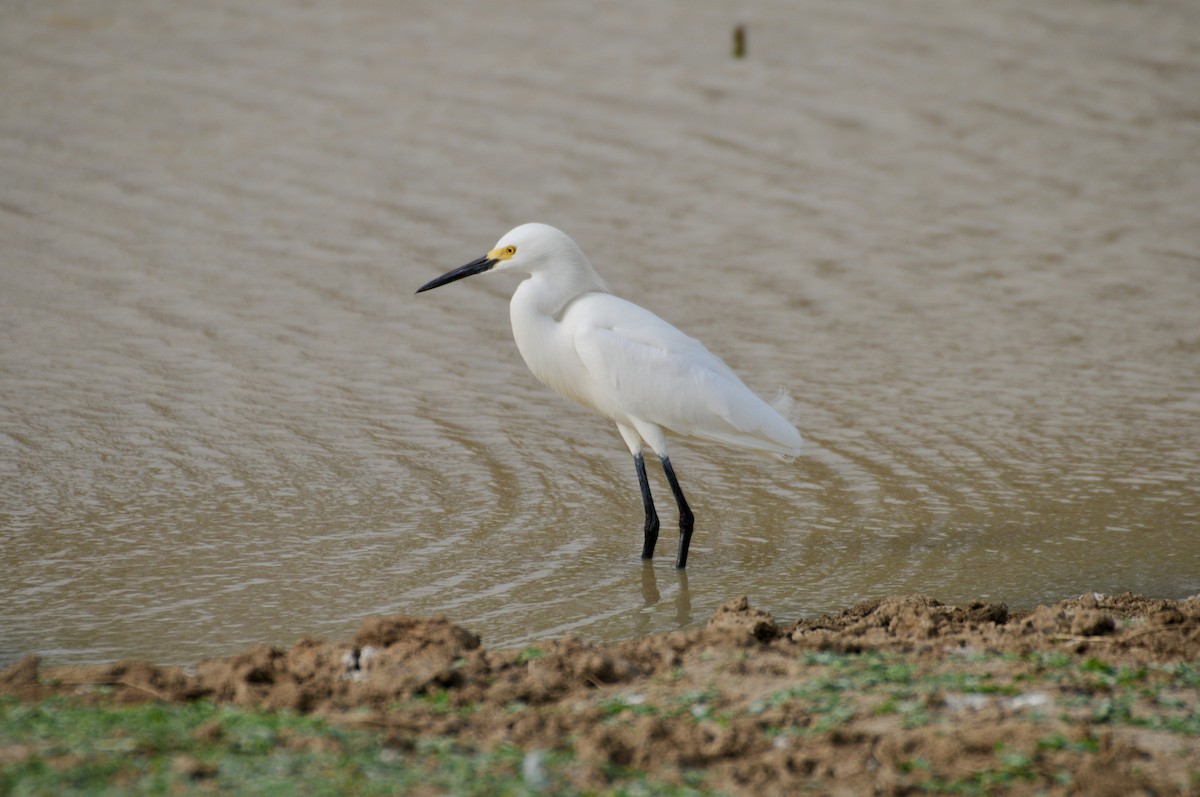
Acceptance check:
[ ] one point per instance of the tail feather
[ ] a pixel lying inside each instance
(765, 427)
(783, 403)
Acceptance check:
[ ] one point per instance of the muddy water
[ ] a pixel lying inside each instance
(964, 235)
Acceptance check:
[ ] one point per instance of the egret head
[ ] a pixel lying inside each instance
(527, 248)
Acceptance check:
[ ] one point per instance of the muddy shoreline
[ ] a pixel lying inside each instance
(1093, 695)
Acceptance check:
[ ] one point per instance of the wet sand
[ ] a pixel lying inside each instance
(1096, 695)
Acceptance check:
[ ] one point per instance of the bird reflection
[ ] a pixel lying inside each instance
(683, 601)
(651, 594)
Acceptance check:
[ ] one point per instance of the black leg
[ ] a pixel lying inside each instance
(685, 515)
(651, 538)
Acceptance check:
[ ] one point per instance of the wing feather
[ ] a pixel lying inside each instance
(648, 369)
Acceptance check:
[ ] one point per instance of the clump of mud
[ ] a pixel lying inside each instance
(872, 699)
(1119, 627)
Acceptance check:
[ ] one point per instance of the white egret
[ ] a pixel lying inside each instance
(624, 362)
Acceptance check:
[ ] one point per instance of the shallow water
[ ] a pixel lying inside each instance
(964, 237)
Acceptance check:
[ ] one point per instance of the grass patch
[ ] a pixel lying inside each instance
(1060, 705)
(529, 654)
(63, 747)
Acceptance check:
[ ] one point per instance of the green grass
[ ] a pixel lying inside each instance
(63, 747)
(529, 654)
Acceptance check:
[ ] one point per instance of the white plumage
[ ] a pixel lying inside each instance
(624, 362)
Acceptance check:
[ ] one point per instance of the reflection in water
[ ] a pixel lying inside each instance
(651, 597)
(225, 420)
(650, 593)
(683, 601)
(683, 596)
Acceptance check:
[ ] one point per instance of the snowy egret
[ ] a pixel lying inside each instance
(624, 362)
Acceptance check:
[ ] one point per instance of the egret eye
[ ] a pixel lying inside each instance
(510, 250)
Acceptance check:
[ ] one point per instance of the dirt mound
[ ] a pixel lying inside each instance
(1085, 696)
(1121, 626)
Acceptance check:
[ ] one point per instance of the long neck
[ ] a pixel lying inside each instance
(548, 291)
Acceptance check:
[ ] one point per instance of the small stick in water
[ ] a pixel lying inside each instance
(739, 41)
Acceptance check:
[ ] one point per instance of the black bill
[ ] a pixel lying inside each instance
(474, 267)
